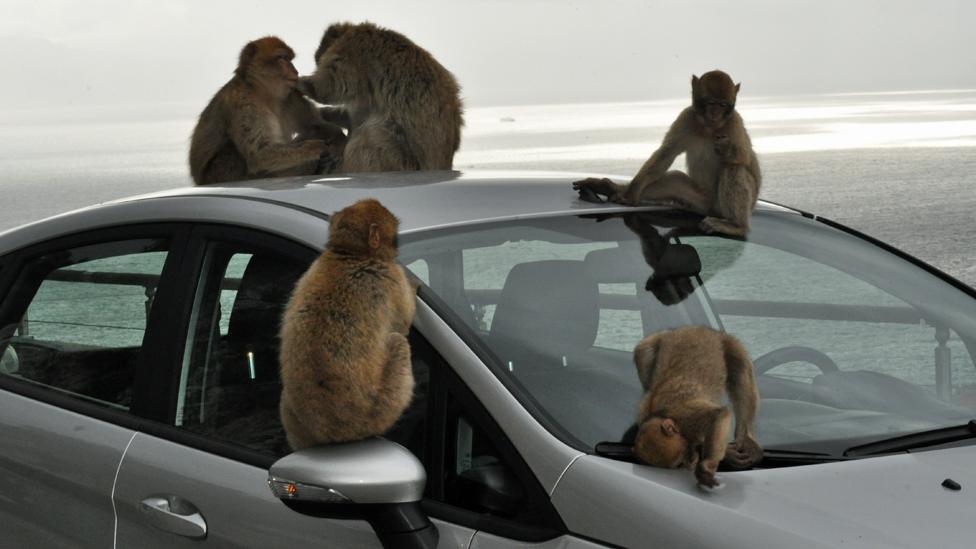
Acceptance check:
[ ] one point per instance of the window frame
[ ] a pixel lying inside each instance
(151, 360)
(446, 386)
(201, 238)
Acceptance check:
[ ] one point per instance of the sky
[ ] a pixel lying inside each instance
(510, 52)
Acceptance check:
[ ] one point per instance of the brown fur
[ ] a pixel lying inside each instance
(403, 108)
(723, 176)
(345, 360)
(685, 374)
(258, 124)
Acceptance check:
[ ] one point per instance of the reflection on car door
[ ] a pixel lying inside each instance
(170, 496)
(56, 473)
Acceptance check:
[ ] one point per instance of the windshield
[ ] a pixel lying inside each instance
(851, 343)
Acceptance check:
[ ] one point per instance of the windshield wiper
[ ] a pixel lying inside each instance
(915, 440)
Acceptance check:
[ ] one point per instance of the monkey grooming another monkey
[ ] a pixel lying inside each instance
(682, 424)
(403, 108)
(259, 125)
(345, 361)
(723, 176)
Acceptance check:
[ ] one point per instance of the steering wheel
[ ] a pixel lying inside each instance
(794, 353)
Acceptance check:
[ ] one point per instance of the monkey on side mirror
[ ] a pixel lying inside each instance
(723, 176)
(259, 125)
(345, 360)
(682, 423)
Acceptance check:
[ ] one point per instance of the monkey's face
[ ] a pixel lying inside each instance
(339, 79)
(268, 62)
(660, 443)
(713, 96)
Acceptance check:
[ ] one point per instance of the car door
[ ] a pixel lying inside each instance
(74, 314)
(199, 478)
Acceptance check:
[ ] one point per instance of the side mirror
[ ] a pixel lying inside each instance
(374, 479)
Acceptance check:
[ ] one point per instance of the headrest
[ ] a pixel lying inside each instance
(549, 307)
(265, 286)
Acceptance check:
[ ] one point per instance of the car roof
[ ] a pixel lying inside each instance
(421, 200)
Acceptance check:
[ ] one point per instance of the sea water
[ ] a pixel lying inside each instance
(898, 166)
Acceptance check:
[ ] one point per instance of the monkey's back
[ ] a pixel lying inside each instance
(335, 325)
(417, 96)
(690, 364)
(213, 157)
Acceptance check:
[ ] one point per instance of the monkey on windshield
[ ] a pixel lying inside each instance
(723, 176)
(345, 361)
(682, 423)
(259, 125)
(402, 108)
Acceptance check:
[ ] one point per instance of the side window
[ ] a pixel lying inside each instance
(229, 381)
(83, 318)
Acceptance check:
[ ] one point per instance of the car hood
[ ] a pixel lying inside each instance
(890, 501)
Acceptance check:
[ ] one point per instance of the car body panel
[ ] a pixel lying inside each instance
(73, 487)
(484, 540)
(890, 501)
(65, 462)
(421, 200)
(234, 500)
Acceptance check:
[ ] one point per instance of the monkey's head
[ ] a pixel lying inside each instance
(366, 228)
(660, 443)
(364, 66)
(713, 96)
(266, 62)
(332, 34)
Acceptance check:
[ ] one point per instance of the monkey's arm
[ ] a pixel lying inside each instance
(675, 142)
(716, 422)
(744, 451)
(263, 148)
(336, 115)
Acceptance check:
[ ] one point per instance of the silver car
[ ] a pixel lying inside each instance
(139, 386)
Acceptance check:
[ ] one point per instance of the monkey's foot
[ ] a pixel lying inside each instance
(712, 225)
(592, 186)
(706, 478)
(742, 457)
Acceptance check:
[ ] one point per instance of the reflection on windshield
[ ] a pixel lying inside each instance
(851, 344)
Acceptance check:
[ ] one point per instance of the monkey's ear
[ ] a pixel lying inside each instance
(669, 427)
(247, 55)
(374, 236)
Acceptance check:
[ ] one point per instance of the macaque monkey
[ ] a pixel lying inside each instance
(345, 361)
(682, 423)
(723, 176)
(259, 124)
(402, 107)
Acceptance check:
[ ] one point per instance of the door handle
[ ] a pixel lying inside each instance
(174, 514)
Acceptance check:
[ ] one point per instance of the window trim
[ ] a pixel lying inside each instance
(149, 360)
(446, 385)
(201, 238)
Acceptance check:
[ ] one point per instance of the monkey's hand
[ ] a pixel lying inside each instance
(743, 454)
(705, 473)
(305, 86)
(314, 147)
(724, 148)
